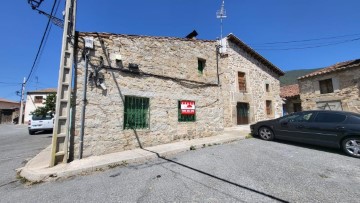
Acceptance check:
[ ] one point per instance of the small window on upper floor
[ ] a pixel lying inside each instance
(242, 82)
(267, 87)
(38, 99)
(326, 86)
(201, 65)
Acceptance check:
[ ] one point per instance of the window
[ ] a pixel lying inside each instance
(242, 82)
(326, 86)
(201, 65)
(185, 118)
(329, 118)
(267, 87)
(38, 99)
(268, 107)
(136, 113)
(298, 117)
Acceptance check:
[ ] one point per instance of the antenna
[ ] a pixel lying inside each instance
(221, 14)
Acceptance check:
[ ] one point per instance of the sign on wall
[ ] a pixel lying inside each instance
(187, 107)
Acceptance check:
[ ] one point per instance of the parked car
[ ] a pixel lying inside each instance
(40, 123)
(337, 129)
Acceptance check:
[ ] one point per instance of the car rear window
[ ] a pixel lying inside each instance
(329, 118)
(41, 117)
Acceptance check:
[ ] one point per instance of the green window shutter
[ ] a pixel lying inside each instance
(136, 112)
(185, 118)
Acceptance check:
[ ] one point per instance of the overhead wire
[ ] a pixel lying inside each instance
(41, 43)
(307, 40)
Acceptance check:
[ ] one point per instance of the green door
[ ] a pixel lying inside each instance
(242, 113)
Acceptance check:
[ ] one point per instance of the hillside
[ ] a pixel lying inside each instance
(291, 76)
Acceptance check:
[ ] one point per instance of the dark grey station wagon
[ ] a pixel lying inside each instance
(338, 129)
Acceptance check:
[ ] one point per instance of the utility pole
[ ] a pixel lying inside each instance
(22, 102)
(59, 151)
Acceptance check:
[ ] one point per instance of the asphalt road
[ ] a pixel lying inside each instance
(250, 170)
(16, 147)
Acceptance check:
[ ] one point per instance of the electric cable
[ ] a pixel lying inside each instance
(306, 40)
(41, 43)
(308, 47)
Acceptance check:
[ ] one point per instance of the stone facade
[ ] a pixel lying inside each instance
(168, 73)
(345, 95)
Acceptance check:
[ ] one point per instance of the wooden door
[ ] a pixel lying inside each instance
(242, 113)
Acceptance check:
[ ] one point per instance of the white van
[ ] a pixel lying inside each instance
(40, 123)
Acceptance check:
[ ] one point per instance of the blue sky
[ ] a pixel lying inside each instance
(256, 22)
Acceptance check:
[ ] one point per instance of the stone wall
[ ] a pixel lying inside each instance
(168, 74)
(346, 85)
(257, 76)
(170, 64)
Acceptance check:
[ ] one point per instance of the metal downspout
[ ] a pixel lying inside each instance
(82, 118)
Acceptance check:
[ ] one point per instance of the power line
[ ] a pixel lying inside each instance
(307, 40)
(310, 47)
(41, 43)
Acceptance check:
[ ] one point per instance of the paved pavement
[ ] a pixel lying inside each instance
(38, 170)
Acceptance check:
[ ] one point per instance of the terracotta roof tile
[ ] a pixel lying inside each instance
(8, 101)
(333, 68)
(48, 90)
(289, 91)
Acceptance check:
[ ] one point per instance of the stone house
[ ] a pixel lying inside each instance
(145, 91)
(336, 87)
(35, 99)
(291, 97)
(9, 110)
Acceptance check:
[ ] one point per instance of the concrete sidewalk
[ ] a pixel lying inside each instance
(37, 169)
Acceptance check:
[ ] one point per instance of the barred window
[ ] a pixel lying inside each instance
(136, 112)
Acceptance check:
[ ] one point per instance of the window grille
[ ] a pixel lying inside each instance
(136, 113)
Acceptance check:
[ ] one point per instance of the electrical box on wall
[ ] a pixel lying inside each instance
(89, 42)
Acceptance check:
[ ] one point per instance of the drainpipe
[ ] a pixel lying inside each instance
(82, 118)
(217, 63)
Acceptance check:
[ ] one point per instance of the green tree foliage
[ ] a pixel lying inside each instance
(50, 104)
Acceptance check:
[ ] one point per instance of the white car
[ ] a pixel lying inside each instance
(40, 123)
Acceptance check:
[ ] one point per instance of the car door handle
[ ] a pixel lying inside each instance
(340, 127)
(300, 126)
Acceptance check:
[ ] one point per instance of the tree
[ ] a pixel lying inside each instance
(50, 104)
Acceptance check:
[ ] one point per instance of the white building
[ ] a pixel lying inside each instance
(35, 99)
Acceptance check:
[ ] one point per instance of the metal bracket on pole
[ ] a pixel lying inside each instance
(59, 151)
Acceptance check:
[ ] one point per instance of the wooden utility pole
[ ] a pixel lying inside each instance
(22, 102)
(59, 152)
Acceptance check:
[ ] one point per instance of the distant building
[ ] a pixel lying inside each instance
(9, 111)
(36, 99)
(145, 91)
(291, 97)
(336, 87)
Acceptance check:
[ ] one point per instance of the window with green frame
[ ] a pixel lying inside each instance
(136, 112)
(201, 65)
(185, 118)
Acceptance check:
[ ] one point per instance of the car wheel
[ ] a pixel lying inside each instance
(351, 146)
(31, 132)
(266, 133)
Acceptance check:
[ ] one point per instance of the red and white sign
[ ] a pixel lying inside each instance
(187, 107)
